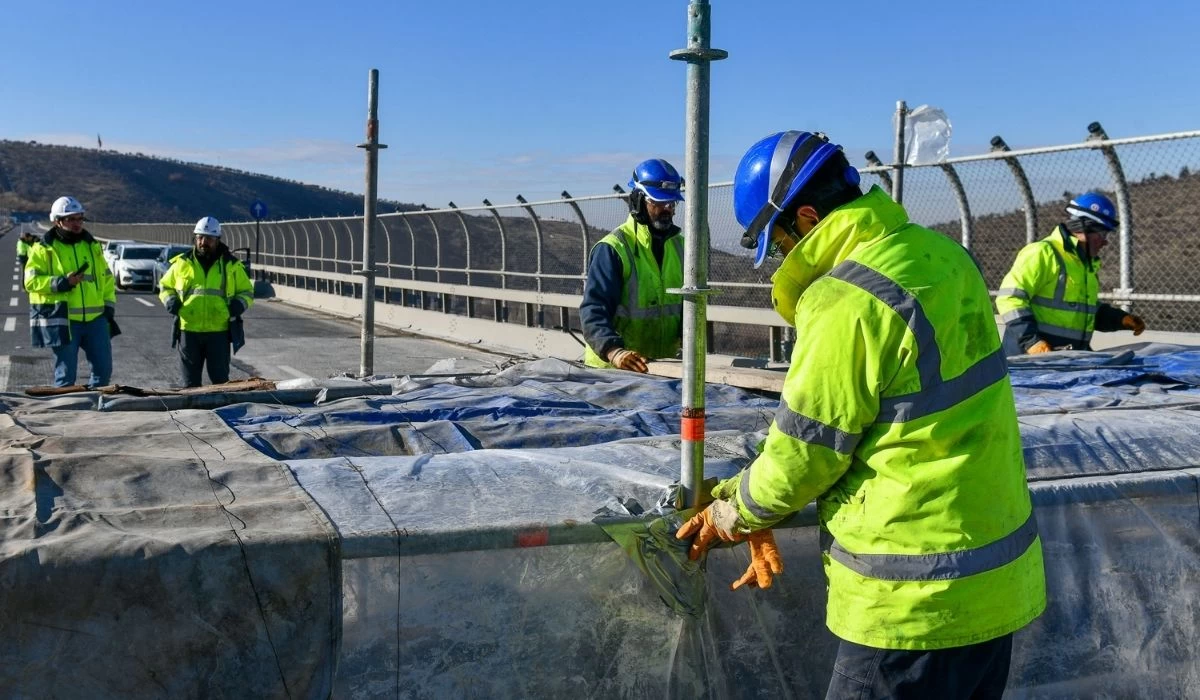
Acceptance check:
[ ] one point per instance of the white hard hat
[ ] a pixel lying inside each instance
(208, 226)
(64, 207)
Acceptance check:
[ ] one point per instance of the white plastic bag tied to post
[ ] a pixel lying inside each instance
(926, 136)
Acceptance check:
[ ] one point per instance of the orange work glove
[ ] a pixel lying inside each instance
(631, 360)
(716, 522)
(1134, 323)
(765, 561)
(1039, 347)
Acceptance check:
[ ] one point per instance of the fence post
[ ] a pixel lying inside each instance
(695, 291)
(537, 232)
(1124, 209)
(964, 207)
(884, 176)
(1018, 173)
(898, 184)
(566, 315)
(499, 310)
(467, 246)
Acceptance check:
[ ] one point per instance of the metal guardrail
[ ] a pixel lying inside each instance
(516, 255)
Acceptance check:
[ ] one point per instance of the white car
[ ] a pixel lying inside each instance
(163, 262)
(134, 265)
(110, 251)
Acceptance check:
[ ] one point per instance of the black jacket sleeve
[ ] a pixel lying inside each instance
(601, 296)
(1108, 318)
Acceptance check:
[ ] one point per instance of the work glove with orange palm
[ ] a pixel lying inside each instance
(1134, 323)
(717, 523)
(631, 360)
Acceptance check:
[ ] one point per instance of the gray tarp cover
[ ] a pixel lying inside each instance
(447, 591)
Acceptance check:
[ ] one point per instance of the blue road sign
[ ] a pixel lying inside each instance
(258, 209)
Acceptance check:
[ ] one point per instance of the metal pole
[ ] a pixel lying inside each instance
(695, 289)
(257, 250)
(1124, 209)
(366, 363)
(1018, 173)
(898, 179)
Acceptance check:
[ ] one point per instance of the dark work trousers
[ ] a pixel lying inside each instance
(977, 672)
(198, 349)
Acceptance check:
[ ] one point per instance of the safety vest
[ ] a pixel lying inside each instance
(1052, 284)
(51, 312)
(648, 319)
(897, 414)
(206, 296)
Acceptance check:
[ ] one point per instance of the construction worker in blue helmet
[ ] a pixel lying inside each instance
(1049, 300)
(628, 317)
(897, 416)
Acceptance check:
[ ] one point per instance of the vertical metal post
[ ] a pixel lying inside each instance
(884, 176)
(695, 289)
(366, 363)
(1124, 209)
(964, 206)
(1018, 173)
(537, 232)
(257, 250)
(898, 178)
(467, 245)
(499, 310)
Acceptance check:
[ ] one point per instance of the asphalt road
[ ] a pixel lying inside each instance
(282, 342)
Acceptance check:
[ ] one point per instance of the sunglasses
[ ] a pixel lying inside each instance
(74, 219)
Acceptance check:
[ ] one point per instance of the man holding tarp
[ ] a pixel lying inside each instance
(897, 416)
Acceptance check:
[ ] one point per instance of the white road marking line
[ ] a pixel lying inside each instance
(15, 288)
(144, 302)
(12, 301)
(294, 372)
(5, 364)
(10, 324)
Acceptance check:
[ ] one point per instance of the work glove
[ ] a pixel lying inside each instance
(716, 522)
(765, 561)
(173, 305)
(236, 307)
(110, 312)
(61, 284)
(631, 360)
(1134, 323)
(1039, 347)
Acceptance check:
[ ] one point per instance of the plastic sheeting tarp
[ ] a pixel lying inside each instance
(464, 507)
(157, 555)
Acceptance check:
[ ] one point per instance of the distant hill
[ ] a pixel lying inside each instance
(123, 187)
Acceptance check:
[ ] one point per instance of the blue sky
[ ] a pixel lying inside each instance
(488, 99)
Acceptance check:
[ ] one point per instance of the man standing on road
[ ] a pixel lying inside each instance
(898, 417)
(24, 243)
(72, 297)
(1050, 300)
(628, 318)
(207, 290)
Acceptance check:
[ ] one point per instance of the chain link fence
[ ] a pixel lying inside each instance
(983, 201)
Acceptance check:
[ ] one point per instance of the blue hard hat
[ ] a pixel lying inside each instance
(1094, 206)
(658, 179)
(770, 175)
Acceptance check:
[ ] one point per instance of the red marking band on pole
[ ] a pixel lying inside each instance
(692, 429)
(533, 538)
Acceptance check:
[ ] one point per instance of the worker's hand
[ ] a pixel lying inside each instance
(173, 305)
(716, 522)
(631, 360)
(1039, 347)
(63, 283)
(765, 561)
(236, 307)
(1134, 323)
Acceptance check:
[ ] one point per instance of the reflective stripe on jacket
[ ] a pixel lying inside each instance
(206, 296)
(1051, 293)
(648, 319)
(51, 260)
(897, 415)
